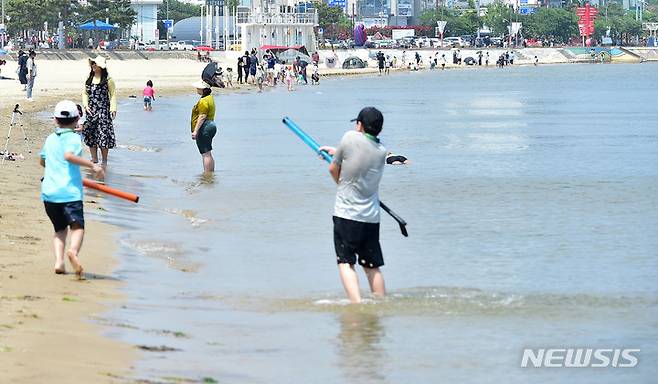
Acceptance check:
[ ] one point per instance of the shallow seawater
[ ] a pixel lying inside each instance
(531, 199)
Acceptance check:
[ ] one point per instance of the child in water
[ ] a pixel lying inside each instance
(289, 78)
(149, 95)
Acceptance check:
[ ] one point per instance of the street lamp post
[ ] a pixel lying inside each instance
(167, 26)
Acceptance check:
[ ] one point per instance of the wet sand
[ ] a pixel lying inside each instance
(45, 327)
(46, 320)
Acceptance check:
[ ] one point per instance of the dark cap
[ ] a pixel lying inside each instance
(372, 119)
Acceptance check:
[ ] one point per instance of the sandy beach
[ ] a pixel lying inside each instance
(46, 321)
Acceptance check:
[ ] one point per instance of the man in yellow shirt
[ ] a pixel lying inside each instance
(203, 124)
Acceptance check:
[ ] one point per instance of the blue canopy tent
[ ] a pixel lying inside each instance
(97, 26)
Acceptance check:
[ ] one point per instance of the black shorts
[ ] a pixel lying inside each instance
(352, 238)
(205, 135)
(64, 214)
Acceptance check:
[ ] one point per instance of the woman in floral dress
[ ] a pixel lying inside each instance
(100, 103)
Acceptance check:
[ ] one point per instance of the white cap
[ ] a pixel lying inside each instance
(201, 85)
(100, 61)
(66, 109)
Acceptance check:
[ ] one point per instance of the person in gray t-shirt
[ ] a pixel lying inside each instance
(357, 168)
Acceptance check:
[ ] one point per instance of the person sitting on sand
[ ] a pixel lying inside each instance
(394, 159)
(61, 188)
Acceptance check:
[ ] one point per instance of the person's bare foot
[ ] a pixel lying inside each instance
(60, 270)
(75, 262)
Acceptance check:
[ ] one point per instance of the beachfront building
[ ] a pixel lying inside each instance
(374, 12)
(145, 27)
(278, 23)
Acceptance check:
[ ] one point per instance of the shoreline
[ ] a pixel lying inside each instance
(46, 317)
(49, 324)
(45, 327)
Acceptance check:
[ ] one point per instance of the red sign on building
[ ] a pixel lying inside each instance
(586, 16)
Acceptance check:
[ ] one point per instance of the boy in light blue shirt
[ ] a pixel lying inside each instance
(61, 186)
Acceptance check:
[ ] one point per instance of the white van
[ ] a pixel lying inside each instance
(183, 45)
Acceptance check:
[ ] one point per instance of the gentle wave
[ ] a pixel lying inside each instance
(139, 148)
(444, 301)
(172, 253)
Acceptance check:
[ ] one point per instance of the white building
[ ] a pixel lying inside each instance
(266, 24)
(146, 20)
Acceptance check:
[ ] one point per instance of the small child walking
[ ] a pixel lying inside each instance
(149, 96)
(228, 77)
(315, 76)
(61, 188)
(289, 78)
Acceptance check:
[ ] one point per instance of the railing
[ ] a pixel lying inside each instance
(277, 18)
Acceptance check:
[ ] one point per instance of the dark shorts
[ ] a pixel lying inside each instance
(147, 100)
(354, 238)
(205, 135)
(64, 214)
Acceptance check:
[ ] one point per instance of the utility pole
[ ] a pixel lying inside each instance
(2, 22)
(166, 26)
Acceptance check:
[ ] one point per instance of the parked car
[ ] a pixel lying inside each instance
(140, 46)
(163, 45)
(466, 40)
(183, 45)
(422, 41)
(383, 44)
(406, 42)
(453, 42)
(496, 41)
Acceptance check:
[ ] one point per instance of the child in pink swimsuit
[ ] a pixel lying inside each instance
(149, 95)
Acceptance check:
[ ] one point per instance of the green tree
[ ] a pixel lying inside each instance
(557, 23)
(458, 21)
(178, 10)
(621, 23)
(498, 18)
(332, 20)
(29, 14)
(117, 12)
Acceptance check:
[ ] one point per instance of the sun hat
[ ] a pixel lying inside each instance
(100, 61)
(66, 109)
(201, 85)
(371, 117)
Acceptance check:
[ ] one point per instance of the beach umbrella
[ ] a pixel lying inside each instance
(96, 26)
